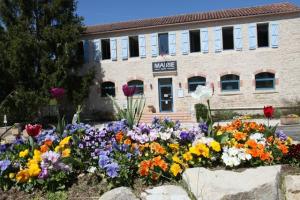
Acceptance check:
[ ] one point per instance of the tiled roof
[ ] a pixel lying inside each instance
(276, 8)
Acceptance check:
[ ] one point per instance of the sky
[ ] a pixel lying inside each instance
(107, 11)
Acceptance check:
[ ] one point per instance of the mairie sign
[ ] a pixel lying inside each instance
(165, 66)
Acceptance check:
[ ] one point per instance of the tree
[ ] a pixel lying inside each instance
(40, 42)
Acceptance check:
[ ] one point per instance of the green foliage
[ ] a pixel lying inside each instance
(201, 112)
(133, 112)
(60, 195)
(224, 115)
(39, 49)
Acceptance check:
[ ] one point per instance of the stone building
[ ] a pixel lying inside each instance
(252, 55)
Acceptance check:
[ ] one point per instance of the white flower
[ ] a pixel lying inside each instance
(165, 135)
(259, 138)
(202, 92)
(92, 170)
(234, 156)
(203, 140)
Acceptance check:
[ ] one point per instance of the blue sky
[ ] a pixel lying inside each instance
(107, 11)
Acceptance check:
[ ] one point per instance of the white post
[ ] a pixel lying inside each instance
(5, 122)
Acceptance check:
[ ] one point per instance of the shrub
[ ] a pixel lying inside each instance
(224, 115)
(201, 112)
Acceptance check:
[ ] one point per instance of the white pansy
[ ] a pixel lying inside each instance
(165, 135)
(259, 138)
(234, 156)
(92, 170)
(203, 140)
(202, 93)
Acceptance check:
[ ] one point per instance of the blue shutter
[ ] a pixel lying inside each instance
(172, 43)
(154, 46)
(274, 27)
(204, 39)
(185, 42)
(252, 36)
(218, 39)
(86, 49)
(238, 42)
(142, 46)
(113, 48)
(97, 50)
(124, 44)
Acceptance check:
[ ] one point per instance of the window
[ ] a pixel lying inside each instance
(227, 34)
(195, 41)
(133, 46)
(263, 35)
(265, 80)
(193, 82)
(139, 86)
(105, 49)
(230, 82)
(163, 43)
(108, 88)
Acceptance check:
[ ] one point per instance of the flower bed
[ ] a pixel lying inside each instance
(157, 152)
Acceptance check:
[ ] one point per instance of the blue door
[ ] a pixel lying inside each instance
(165, 95)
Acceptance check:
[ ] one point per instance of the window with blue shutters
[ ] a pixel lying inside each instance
(238, 43)
(172, 43)
(105, 49)
(185, 42)
(154, 46)
(227, 36)
(86, 50)
(204, 39)
(230, 82)
(163, 43)
(142, 46)
(263, 35)
(134, 46)
(113, 48)
(124, 45)
(195, 45)
(218, 39)
(264, 81)
(274, 28)
(97, 50)
(252, 36)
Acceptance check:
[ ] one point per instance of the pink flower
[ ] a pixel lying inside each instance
(57, 92)
(128, 91)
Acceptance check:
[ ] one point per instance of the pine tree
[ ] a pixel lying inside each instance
(41, 41)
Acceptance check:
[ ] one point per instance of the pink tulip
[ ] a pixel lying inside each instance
(128, 90)
(57, 92)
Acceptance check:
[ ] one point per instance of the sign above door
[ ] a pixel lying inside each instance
(165, 67)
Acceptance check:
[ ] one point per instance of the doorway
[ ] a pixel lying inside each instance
(165, 91)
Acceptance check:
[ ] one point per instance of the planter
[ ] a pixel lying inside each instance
(288, 120)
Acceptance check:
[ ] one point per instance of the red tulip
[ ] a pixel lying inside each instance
(269, 111)
(128, 90)
(33, 130)
(57, 92)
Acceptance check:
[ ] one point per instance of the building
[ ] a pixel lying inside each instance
(252, 55)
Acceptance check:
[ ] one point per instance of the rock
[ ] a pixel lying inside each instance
(254, 183)
(165, 192)
(120, 193)
(292, 187)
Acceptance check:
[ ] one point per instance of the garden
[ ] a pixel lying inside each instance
(126, 151)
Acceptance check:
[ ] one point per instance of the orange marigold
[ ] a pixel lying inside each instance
(144, 167)
(252, 144)
(44, 148)
(157, 148)
(119, 136)
(127, 141)
(283, 148)
(240, 136)
(48, 143)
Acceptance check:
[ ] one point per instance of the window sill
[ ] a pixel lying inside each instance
(265, 92)
(230, 93)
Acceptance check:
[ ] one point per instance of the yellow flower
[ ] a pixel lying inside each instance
(22, 176)
(66, 153)
(200, 149)
(176, 159)
(219, 133)
(24, 153)
(11, 175)
(37, 155)
(174, 146)
(215, 146)
(187, 156)
(195, 151)
(57, 149)
(34, 170)
(175, 169)
(65, 141)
